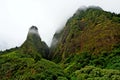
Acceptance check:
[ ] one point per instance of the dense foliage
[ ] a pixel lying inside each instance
(103, 61)
(88, 48)
(91, 30)
(16, 66)
(93, 73)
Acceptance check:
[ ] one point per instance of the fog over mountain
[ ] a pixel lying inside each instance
(16, 16)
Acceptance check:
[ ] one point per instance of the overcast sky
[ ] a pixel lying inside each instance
(16, 16)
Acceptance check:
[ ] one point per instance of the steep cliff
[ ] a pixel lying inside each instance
(91, 30)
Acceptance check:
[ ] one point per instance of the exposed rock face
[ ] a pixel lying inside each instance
(33, 43)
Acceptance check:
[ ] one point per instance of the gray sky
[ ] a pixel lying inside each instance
(16, 16)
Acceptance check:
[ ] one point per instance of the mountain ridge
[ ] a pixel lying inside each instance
(87, 48)
(92, 30)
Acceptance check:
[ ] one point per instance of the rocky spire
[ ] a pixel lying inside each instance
(33, 43)
(33, 33)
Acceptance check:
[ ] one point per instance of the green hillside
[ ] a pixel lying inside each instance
(91, 30)
(16, 66)
(87, 48)
(29, 62)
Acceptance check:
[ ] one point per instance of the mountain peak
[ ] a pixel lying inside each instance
(34, 44)
(34, 27)
(33, 30)
(91, 30)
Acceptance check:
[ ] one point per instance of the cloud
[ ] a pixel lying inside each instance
(16, 16)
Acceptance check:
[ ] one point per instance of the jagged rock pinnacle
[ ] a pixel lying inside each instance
(33, 43)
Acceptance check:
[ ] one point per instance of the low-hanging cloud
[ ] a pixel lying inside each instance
(33, 30)
(16, 16)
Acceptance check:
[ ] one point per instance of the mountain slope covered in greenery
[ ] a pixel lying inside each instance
(87, 48)
(91, 30)
(29, 62)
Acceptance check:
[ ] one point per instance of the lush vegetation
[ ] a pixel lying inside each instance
(88, 48)
(18, 66)
(107, 61)
(84, 66)
(92, 30)
(93, 73)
